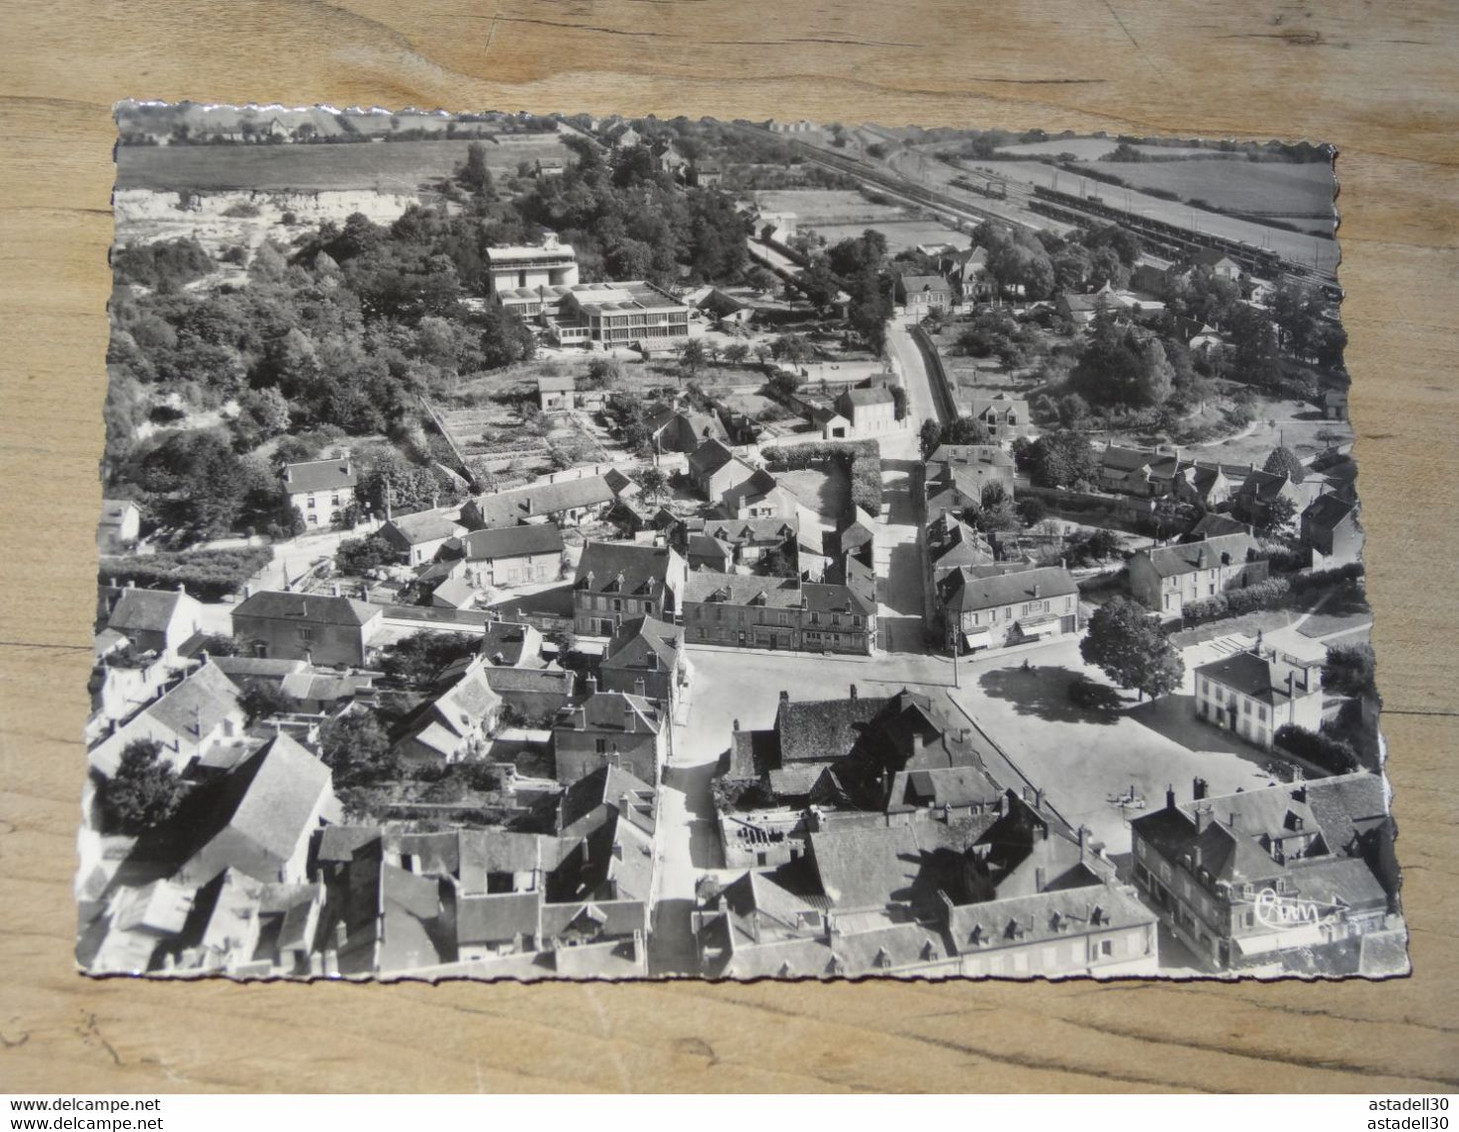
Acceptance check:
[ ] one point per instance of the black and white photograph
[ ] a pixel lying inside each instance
(544, 546)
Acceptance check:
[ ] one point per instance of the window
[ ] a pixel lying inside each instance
(617, 605)
(1106, 948)
(784, 618)
(648, 607)
(601, 745)
(1246, 706)
(815, 618)
(305, 633)
(1261, 713)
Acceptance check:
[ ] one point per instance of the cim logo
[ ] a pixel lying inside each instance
(1277, 911)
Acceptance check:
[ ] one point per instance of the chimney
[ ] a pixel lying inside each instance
(1039, 880)
(592, 685)
(1198, 789)
(630, 718)
(1038, 799)
(1235, 820)
(1195, 857)
(181, 587)
(784, 696)
(1170, 797)
(1035, 589)
(131, 583)
(1291, 685)
(1203, 819)
(1299, 792)
(737, 723)
(1083, 841)
(853, 693)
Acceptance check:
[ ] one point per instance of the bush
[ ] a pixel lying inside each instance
(1270, 594)
(1334, 755)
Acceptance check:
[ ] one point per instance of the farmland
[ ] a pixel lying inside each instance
(1091, 149)
(379, 166)
(1260, 188)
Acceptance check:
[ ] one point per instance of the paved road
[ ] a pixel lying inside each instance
(921, 405)
(899, 565)
(686, 837)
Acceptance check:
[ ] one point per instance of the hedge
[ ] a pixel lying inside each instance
(1270, 594)
(860, 459)
(1330, 754)
(209, 575)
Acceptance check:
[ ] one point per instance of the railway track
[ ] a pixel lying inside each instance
(1065, 208)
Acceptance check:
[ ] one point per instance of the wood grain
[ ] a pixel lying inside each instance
(1381, 81)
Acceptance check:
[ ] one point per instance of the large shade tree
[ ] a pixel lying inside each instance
(1132, 648)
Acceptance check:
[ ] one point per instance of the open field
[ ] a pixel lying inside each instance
(1090, 149)
(1265, 187)
(812, 206)
(382, 166)
(901, 234)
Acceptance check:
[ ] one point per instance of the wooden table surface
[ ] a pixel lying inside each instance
(1379, 80)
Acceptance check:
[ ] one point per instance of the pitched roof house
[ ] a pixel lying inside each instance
(1166, 578)
(455, 724)
(617, 582)
(260, 818)
(156, 620)
(321, 628)
(646, 658)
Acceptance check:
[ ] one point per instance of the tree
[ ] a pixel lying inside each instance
(1157, 375)
(359, 556)
(692, 356)
(1130, 647)
(605, 373)
(1255, 358)
(1073, 410)
(474, 174)
(792, 348)
(216, 644)
(653, 483)
(357, 749)
(505, 338)
(1059, 459)
(1032, 510)
(736, 353)
(1279, 513)
(1284, 462)
(929, 437)
(261, 699)
(145, 790)
(1349, 670)
(419, 658)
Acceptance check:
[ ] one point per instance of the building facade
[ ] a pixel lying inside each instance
(1165, 579)
(617, 582)
(1255, 693)
(981, 611)
(321, 489)
(318, 628)
(776, 614)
